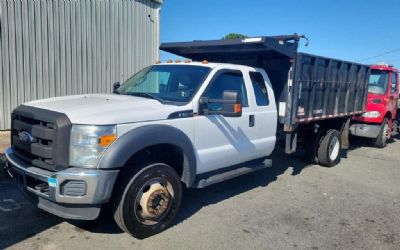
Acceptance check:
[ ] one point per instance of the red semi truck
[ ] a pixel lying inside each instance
(380, 121)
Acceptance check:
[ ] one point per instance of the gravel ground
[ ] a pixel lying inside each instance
(292, 205)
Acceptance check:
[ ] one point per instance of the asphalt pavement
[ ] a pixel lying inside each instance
(292, 205)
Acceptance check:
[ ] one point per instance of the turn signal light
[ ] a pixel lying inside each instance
(106, 140)
(237, 108)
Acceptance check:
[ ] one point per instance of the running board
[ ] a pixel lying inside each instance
(211, 179)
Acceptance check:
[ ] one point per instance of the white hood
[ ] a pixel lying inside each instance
(106, 109)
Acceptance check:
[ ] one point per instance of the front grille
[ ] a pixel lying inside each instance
(41, 137)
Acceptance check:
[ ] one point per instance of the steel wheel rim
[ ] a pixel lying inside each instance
(334, 147)
(386, 132)
(154, 201)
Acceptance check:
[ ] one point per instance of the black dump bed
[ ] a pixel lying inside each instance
(307, 87)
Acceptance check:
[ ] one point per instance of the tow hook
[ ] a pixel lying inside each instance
(7, 170)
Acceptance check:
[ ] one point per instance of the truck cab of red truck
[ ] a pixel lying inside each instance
(380, 121)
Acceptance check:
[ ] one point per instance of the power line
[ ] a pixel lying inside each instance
(379, 55)
(394, 60)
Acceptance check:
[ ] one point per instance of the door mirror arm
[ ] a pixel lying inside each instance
(116, 86)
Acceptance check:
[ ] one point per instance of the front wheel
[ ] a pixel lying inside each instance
(383, 136)
(147, 201)
(329, 148)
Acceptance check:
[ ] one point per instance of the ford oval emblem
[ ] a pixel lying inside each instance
(25, 138)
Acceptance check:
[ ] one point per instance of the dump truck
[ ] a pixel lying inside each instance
(381, 120)
(182, 124)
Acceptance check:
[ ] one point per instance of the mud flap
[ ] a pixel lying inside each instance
(344, 132)
(290, 143)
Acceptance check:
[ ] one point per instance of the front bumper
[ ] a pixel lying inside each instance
(365, 130)
(73, 193)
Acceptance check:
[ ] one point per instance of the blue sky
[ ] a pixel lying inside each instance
(345, 29)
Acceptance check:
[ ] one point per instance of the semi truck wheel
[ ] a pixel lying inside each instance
(329, 149)
(383, 136)
(146, 202)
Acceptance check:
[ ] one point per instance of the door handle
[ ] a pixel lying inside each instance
(251, 121)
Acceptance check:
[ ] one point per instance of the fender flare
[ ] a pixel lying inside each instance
(137, 139)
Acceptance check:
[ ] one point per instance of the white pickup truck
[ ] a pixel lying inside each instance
(171, 125)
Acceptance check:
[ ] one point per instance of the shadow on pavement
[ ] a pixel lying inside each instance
(19, 218)
(103, 225)
(195, 199)
(359, 142)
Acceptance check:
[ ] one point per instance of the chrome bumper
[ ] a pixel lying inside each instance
(70, 193)
(365, 130)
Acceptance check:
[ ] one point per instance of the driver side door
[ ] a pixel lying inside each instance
(224, 141)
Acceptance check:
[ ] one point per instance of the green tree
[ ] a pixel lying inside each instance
(234, 36)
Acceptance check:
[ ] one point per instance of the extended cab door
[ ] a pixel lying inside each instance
(264, 111)
(225, 141)
(394, 94)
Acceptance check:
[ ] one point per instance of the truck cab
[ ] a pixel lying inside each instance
(379, 122)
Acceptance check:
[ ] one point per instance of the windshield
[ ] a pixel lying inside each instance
(169, 83)
(378, 82)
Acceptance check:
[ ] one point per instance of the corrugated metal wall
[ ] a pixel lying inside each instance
(61, 47)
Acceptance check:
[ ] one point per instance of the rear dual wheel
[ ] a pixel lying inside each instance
(329, 149)
(324, 147)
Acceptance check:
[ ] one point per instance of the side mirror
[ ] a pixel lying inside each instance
(231, 104)
(116, 86)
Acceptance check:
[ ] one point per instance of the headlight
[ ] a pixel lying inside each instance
(88, 144)
(371, 114)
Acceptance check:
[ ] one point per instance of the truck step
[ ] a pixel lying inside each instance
(230, 173)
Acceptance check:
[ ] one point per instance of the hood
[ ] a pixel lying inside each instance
(98, 109)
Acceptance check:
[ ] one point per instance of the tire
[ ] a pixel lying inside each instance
(381, 140)
(147, 201)
(312, 147)
(329, 149)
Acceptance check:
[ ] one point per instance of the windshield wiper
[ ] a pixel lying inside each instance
(146, 95)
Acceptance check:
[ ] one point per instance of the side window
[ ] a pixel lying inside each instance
(260, 90)
(393, 86)
(226, 81)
